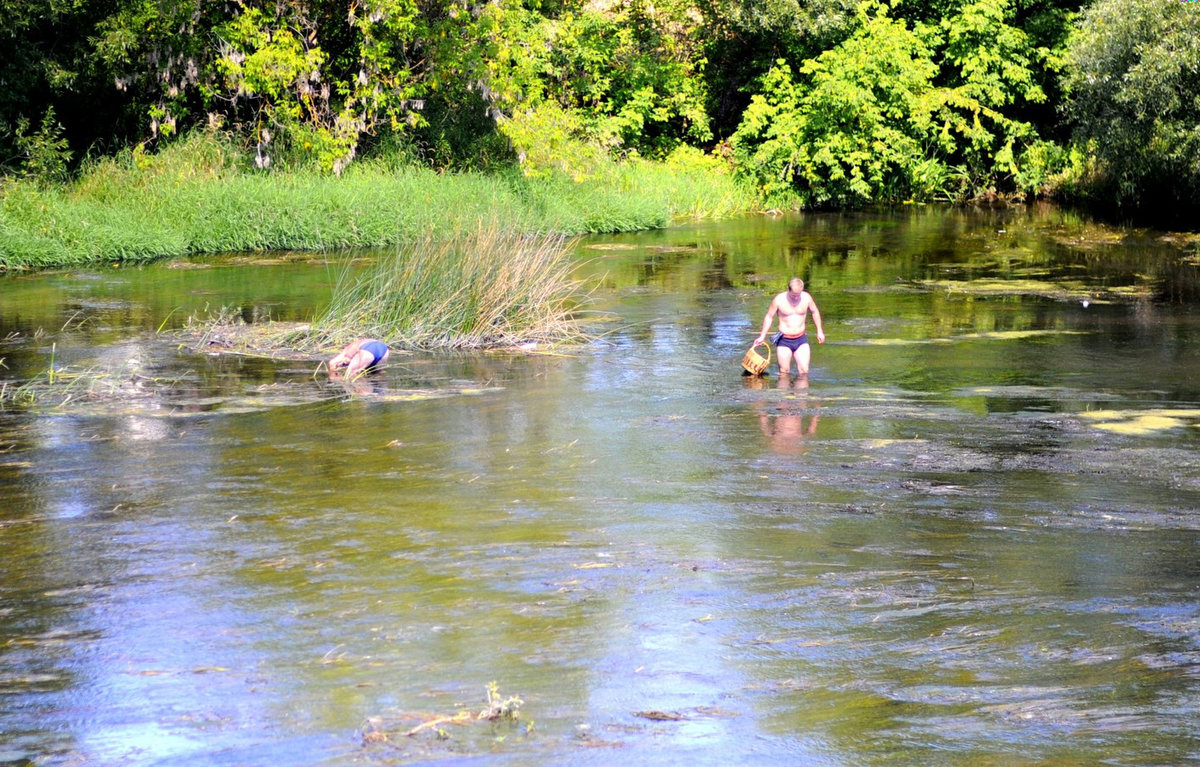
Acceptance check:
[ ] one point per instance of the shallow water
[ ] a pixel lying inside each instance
(970, 538)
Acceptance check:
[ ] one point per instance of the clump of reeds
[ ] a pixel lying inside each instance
(488, 287)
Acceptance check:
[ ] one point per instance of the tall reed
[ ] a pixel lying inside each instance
(486, 287)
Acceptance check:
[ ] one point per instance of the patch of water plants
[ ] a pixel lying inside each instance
(484, 289)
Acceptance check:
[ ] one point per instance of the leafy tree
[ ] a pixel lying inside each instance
(51, 75)
(1047, 24)
(856, 130)
(744, 39)
(894, 112)
(622, 78)
(1133, 77)
(277, 78)
(989, 66)
(158, 56)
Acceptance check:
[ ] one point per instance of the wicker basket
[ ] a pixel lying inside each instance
(754, 363)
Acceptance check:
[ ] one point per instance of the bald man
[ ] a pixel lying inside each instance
(792, 307)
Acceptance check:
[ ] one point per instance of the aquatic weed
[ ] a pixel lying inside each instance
(486, 288)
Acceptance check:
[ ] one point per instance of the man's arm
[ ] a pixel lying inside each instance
(816, 317)
(766, 326)
(342, 358)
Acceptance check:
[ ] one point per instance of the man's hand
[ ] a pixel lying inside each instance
(820, 337)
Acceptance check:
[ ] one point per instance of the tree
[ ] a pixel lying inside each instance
(744, 39)
(624, 76)
(896, 112)
(1133, 79)
(988, 66)
(53, 76)
(856, 130)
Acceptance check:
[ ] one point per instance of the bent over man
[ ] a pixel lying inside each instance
(792, 307)
(358, 357)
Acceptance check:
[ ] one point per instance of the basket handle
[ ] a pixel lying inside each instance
(764, 343)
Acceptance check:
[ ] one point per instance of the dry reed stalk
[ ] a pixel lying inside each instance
(483, 289)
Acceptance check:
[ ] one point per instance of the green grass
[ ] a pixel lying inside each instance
(195, 198)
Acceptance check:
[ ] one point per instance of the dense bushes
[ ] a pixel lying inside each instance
(820, 103)
(878, 119)
(1133, 75)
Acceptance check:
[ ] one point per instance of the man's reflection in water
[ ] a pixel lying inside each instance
(794, 419)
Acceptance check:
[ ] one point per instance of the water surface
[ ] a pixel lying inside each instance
(970, 537)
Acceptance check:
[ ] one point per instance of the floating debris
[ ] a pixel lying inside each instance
(377, 729)
(660, 716)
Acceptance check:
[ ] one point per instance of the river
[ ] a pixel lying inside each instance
(970, 537)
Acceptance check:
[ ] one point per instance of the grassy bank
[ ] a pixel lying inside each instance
(195, 198)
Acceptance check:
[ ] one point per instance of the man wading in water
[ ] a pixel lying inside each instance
(361, 356)
(791, 341)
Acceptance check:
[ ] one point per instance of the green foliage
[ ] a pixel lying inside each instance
(158, 56)
(626, 78)
(1042, 167)
(452, 135)
(50, 61)
(272, 63)
(200, 196)
(991, 67)
(744, 39)
(45, 152)
(549, 139)
(855, 130)
(299, 81)
(1134, 82)
(878, 118)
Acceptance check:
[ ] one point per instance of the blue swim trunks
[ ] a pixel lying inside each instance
(791, 342)
(377, 350)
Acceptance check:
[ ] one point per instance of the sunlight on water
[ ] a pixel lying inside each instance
(968, 537)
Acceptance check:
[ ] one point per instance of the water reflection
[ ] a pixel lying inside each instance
(363, 386)
(789, 422)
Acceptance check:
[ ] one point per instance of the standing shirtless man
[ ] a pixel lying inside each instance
(792, 305)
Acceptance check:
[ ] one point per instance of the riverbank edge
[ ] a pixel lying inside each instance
(179, 205)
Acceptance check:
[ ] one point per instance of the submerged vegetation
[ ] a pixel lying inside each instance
(87, 388)
(497, 708)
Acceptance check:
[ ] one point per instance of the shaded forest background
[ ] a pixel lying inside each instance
(815, 103)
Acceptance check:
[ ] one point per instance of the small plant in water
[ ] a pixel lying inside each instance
(500, 708)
